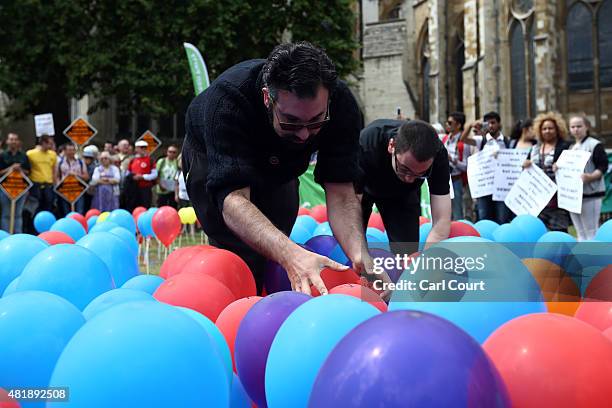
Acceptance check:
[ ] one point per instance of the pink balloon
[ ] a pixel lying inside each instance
(166, 225)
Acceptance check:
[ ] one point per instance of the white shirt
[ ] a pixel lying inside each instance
(182, 187)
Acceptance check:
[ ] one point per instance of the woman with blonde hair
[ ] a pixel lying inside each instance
(106, 179)
(551, 133)
(594, 189)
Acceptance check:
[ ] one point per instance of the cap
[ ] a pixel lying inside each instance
(90, 151)
(141, 143)
(89, 154)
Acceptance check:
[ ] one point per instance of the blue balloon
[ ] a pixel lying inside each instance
(127, 237)
(118, 257)
(124, 219)
(43, 221)
(486, 228)
(514, 239)
(412, 351)
(15, 253)
(35, 327)
(70, 271)
(112, 298)
(304, 341)
(219, 342)
(300, 235)
(479, 285)
(323, 229)
(239, 397)
(322, 244)
(104, 226)
(554, 246)
(337, 254)
(91, 222)
(152, 346)
(145, 283)
(531, 227)
(468, 222)
(145, 223)
(306, 222)
(71, 227)
(3, 234)
(424, 231)
(11, 288)
(604, 233)
(376, 235)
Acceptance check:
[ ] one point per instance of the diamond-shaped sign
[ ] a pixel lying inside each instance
(15, 184)
(153, 142)
(80, 131)
(71, 188)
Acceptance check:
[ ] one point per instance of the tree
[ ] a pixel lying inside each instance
(132, 49)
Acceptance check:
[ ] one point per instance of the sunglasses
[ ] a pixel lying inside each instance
(405, 172)
(294, 127)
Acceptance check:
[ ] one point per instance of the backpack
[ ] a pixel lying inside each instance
(483, 142)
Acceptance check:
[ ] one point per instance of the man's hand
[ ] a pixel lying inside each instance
(363, 265)
(304, 269)
(526, 164)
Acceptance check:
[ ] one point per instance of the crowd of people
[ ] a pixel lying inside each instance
(543, 139)
(121, 175)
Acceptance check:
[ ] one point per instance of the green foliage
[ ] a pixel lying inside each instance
(132, 49)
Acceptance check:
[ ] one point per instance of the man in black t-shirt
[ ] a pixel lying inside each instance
(250, 135)
(396, 157)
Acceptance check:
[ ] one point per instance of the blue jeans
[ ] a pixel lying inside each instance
(65, 208)
(457, 202)
(5, 205)
(492, 210)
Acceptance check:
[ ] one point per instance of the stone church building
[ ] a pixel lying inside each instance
(516, 57)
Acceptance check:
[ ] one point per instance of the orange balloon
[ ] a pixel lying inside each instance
(178, 258)
(376, 221)
(196, 291)
(552, 360)
(559, 290)
(600, 287)
(597, 314)
(228, 268)
(360, 292)
(56, 237)
(230, 318)
(332, 278)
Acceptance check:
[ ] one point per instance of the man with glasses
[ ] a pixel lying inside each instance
(248, 138)
(396, 157)
(167, 170)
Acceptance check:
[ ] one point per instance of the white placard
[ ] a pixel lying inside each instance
(531, 192)
(569, 182)
(508, 169)
(481, 173)
(44, 124)
(452, 189)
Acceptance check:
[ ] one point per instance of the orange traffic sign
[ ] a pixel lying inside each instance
(153, 141)
(15, 184)
(80, 131)
(71, 188)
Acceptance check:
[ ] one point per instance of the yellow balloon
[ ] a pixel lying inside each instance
(191, 215)
(102, 217)
(183, 215)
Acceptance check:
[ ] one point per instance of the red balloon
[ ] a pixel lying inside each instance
(227, 267)
(92, 213)
(196, 291)
(303, 211)
(6, 401)
(608, 333)
(360, 292)
(423, 220)
(461, 229)
(376, 221)
(56, 237)
(332, 278)
(81, 219)
(178, 258)
(138, 210)
(319, 213)
(600, 287)
(166, 225)
(597, 314)
(552, 360)
(230, 318)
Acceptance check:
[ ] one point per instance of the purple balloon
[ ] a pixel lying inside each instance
(322, 244)
(408, 359)
(275, 278)
(255, 336)
(394, 273)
